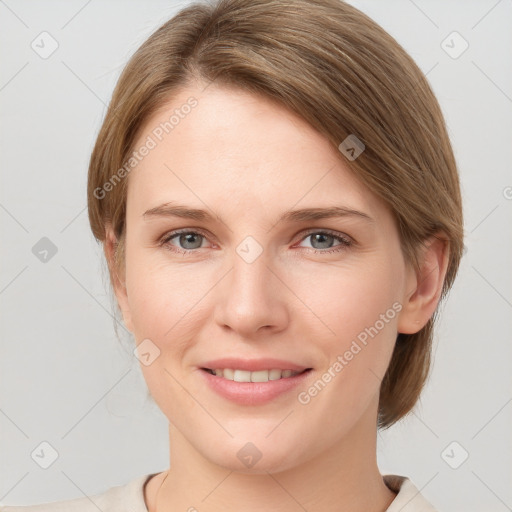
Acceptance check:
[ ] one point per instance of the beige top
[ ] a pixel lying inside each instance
(130, 498)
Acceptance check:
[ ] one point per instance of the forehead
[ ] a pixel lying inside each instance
(218, 144)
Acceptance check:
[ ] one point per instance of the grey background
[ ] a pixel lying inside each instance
(66, 379)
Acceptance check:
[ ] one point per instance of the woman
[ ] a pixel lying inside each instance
(279, 206)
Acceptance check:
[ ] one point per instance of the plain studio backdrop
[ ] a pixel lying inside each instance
(71, 390)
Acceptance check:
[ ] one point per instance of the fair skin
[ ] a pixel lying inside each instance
(246, 161)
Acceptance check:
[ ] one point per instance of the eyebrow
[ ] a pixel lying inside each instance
(303, 215)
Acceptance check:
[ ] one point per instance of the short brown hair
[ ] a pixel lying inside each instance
(342, 73)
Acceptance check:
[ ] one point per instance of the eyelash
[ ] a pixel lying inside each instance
(345, 242)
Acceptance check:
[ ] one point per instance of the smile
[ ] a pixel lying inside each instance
(248, 376)
(256, 387)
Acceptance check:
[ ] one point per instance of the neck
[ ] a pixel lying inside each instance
(344, 477)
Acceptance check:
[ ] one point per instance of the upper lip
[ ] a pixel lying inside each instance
(252, 365)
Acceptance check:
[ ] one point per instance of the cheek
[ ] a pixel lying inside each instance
(162, 296)
(358, 309)
(166, 307)
(351, 298)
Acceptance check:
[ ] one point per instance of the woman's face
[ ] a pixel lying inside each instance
(250, 278)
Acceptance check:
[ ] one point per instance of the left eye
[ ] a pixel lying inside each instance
(323, 240)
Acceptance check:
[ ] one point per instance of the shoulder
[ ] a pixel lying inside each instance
(122, 498)
(408, 498)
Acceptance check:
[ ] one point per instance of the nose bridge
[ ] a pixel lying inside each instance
(251, 277)
(250, 297)
(250, 267)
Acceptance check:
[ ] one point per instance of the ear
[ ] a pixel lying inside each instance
(424, 286)
(117, 275)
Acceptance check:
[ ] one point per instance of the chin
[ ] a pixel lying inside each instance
(253, 458)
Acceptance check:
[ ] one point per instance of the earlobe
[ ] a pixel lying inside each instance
(424, 286)
(117, 278)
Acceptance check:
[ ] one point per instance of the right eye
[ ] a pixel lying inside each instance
(188, 241)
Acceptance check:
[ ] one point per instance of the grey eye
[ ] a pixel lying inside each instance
(189, 240)
(324, 240)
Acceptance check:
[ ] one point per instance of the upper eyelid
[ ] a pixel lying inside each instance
(184, 231)
(304, 233)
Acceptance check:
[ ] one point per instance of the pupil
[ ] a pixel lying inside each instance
(319, 237)
(189, 238)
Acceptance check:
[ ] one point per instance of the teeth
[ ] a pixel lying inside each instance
(242, 376)
(274, 374)
(257, 376)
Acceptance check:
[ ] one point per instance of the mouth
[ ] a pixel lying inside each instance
(238, 375)
(254, 387)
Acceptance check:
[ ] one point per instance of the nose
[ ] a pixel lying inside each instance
(252, 299)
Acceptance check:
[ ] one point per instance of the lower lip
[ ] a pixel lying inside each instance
(253, 393)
